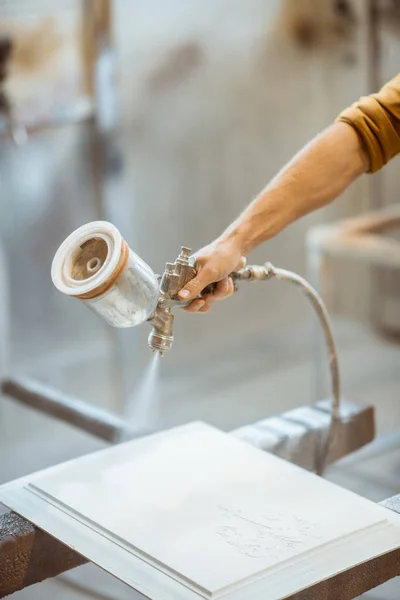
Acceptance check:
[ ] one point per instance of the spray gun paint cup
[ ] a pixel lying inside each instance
(95, 265)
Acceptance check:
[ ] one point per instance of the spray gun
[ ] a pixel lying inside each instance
(95, 265)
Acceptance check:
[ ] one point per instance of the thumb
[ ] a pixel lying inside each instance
(194, 287)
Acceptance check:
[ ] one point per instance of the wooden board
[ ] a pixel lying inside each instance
(194, 512)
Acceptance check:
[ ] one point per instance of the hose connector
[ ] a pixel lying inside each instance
(254, 273)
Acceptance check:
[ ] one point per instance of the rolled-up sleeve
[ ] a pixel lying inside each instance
(376, 119)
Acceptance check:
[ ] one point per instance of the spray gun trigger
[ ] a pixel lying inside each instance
(211, 287)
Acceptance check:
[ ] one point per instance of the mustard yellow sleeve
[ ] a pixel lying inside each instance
(376, 119)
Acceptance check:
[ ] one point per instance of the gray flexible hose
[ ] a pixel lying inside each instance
(268, 271)
(324, 320)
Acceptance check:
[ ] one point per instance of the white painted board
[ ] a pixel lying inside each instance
(195, 512)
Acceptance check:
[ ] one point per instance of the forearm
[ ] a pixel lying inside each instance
(364, 138)
(315, 177)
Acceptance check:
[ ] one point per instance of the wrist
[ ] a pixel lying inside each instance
(261, 221)
(238, 237)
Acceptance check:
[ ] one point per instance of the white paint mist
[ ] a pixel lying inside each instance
(142, 404)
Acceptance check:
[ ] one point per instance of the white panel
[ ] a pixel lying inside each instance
(206, 510)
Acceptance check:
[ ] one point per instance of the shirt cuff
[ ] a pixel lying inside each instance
(375, 129)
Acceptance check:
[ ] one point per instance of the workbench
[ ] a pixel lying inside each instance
(29, 556)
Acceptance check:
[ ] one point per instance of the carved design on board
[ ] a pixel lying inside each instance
(269, 535)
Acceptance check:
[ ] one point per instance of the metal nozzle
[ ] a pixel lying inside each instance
(161, 336)
(174, 278)
(160, 343)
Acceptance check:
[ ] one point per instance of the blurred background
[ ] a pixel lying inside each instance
(166, 118)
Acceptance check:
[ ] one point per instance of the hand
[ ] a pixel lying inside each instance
(214, 264)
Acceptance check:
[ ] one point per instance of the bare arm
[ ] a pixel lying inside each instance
(315, 176)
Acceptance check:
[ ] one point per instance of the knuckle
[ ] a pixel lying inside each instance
(213, 272)
(198, 305)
